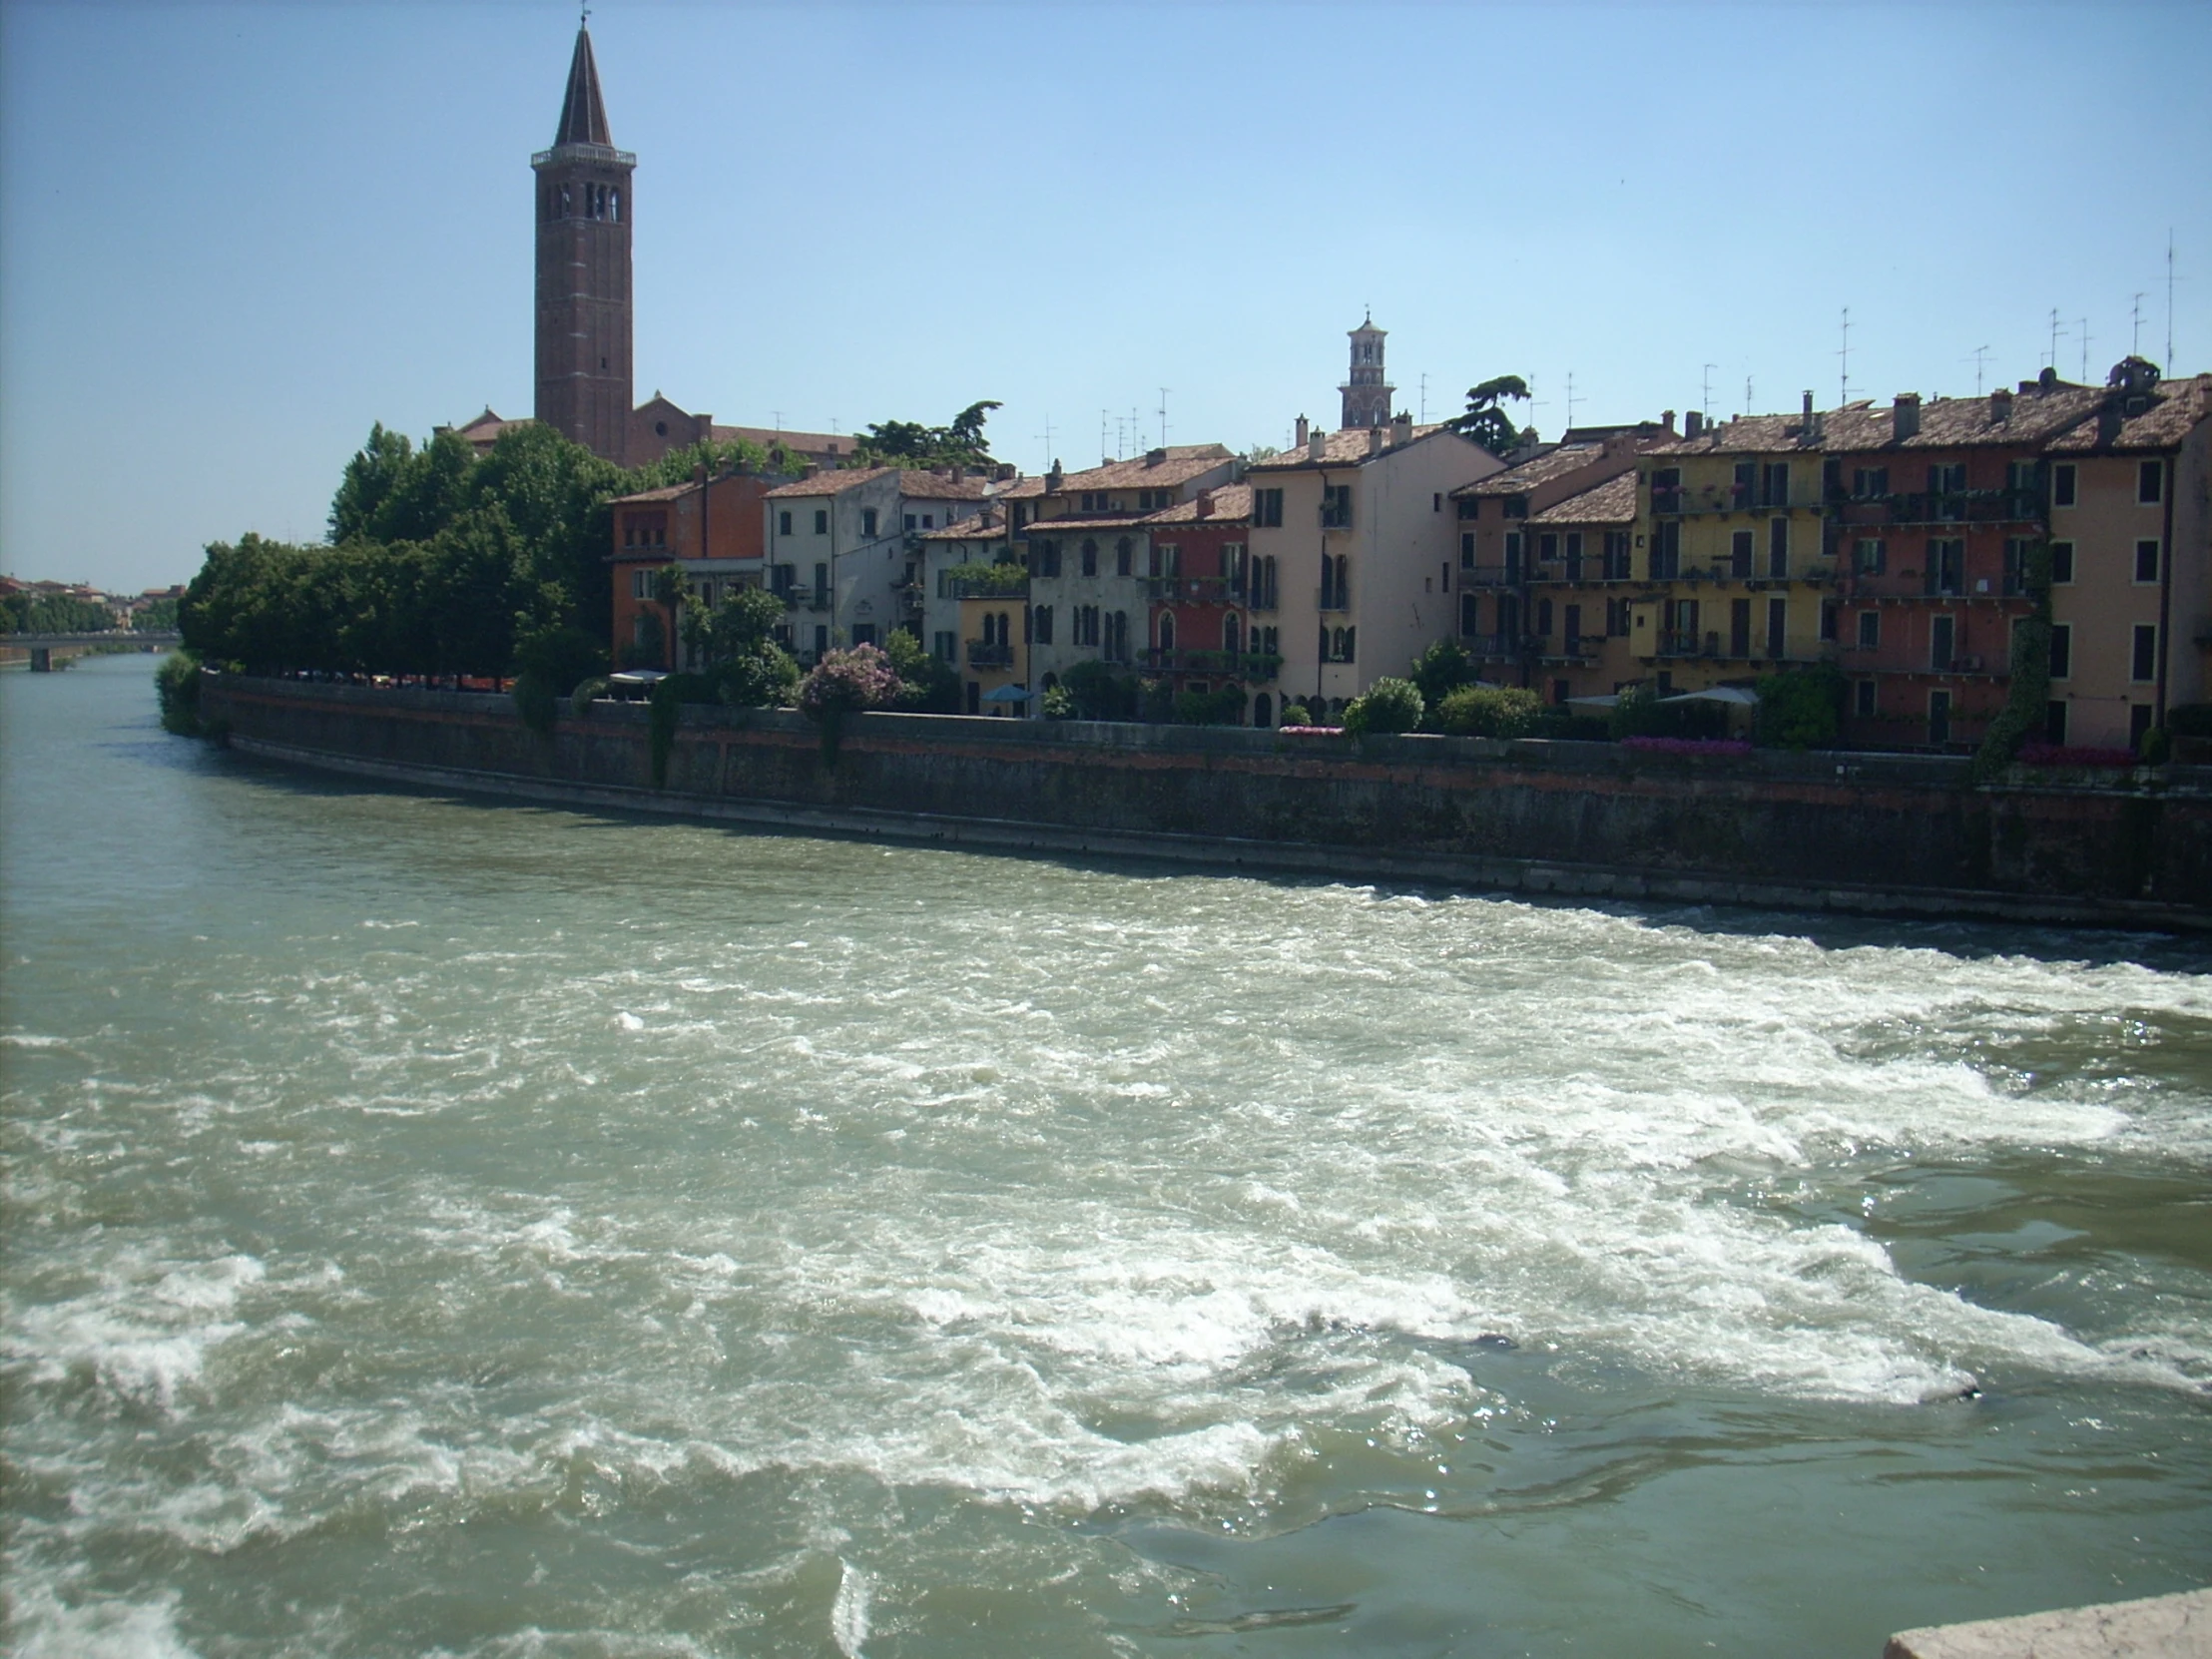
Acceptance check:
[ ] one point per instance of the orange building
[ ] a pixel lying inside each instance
(710, 528)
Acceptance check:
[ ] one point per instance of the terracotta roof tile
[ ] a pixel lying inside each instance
(1612, 502)
(1524, 476)
(1229, 504)
(912, 484)
(2180, 405)
(1180, 463)
(1347, 448)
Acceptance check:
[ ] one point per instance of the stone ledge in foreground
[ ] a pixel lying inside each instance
(2162, 1627)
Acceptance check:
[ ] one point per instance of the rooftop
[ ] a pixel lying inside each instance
(1345, 448)
(1175, 464)
(1225, 504)
(1612, 502)
(913, 485)
(2176, 406)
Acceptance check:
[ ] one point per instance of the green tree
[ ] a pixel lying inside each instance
(926, 684)
(911, 443)
(1491, 712)
(1486, 423)
(1802, 709)
(1441, 670)
(1389, 704)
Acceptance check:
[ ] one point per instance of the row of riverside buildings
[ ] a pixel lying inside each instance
(1900, 543)
(1903, 543)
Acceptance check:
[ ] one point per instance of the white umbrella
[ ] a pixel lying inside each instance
(1718, 693)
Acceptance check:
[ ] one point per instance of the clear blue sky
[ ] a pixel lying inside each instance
(230, 238)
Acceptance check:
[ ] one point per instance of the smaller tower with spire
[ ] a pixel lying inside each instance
(1367, 391)
(584, 208)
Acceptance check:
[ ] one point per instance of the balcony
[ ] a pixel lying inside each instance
(2004, 506)
(1689, 500)
(1233, 665)
(990, 654)
(1192, 590)
(1012, 585)
(1489, 576)
(804, 599)
(1491, 644)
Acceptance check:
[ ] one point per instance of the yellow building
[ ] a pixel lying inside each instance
(1740, 566)
(994, 643)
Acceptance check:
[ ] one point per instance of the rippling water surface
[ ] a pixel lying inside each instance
(439, 1228)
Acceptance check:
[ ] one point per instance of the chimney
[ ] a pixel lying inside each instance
(1904, 418)
(1667, 419)
(2047, 381)
(1693, 424)
(2000, 406)
(1205, 503)
(1054, 479)
(1153, 457)
(1302, 431)
(1374, 440)
(1317, 445)
(1401, 429)
(698, 473)
(810, 469)
(959, 473)
(1809, 406)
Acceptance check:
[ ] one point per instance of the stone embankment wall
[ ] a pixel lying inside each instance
(1865, 833)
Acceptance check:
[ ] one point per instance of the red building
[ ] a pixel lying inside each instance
(712, 529)
(1204, 589)
(1934, 509)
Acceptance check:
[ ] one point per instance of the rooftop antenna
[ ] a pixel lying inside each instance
(1843, 375)
(777, 416)
(1535, 403)
(2084, 326)
(2169, 300)
(1570, 399)
(1103, 457)
(2056, 331)
(1980, 352)
(1705, 396)
(1162, 417)
(2135, 339)
(1424, 400)
(1747, 396)
(1046, 436)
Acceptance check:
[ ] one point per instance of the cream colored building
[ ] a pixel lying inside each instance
(839, 548)
(2131, 561)
(1362, 527)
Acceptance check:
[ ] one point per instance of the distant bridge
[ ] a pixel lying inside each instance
(43, 646)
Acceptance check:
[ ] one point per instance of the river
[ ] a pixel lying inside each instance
(434, 1227)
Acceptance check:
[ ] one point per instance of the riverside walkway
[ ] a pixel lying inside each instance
(43, 646)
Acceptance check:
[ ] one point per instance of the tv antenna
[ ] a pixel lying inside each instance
(1843, 375)
(1747, 396)
(2135, 338)
(1424, 400)
(1980, 352)
(1705, 393)
(2084, 327)
(1162, 417)
(1571, 399)
(1046, 436)
(2056, 331)
(1103, 457)
(2169, 300)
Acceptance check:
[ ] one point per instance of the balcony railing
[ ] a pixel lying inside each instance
(1491, 644)
(1013, 586)
(2002, 506)
(1236, 665)
(1194, 590)
(990, 654)
(804, 599)
(1489, 576)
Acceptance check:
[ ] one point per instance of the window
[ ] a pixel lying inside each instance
(2144, 661)
(1466, 550)
(2146, 560)
(1467, 507)
(2150, 483)
(1266, 509)
(2016, 549)
(1778, 631)
(1778, 547)
(1869, 556)
(947, 647)
(1777, 482)
(2054, 724)
(1946, 478)
(1870, 630)
(1862, 691)
(641, 584)
(1090, 557)
(2061, 650)
(1828, 620)
(822, 521)
(1436, 502)
(1232, 636)
(863, 633)
(909, 523)
(1124, 551)
(1739, 554)
(821, 579)
(1335, 506)
(1547, 546)
(1166, 562)
(1336, 583)
(2061, 561)
(1942, 633)
(1044, 558)
(1544, 619)
(1938, 717)
(1574, 555)
(1870, 483)
(2062, 485)
(1040, 623)
(783, 523)
(929, 521)
(1946, 566)
(1616, 555)
(867, 522)
(1571, 626)
(1666, 550)
(1470, 618)
(1617, 617)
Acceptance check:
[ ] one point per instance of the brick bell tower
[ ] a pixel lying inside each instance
(1366, 393)
(583, 210)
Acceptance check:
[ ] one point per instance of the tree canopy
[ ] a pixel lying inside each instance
(1486, 423)
(912, 443)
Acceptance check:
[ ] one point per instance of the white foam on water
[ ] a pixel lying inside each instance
(142, 1340)
(46, 1627)
(849, 1611)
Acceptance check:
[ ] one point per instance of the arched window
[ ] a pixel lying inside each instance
(1263, 710)
(1122, 552)
(1230, 636)
(1167, 630)
(1005, 629)
(1090, 557)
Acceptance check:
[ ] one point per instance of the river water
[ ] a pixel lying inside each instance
(444, 1227)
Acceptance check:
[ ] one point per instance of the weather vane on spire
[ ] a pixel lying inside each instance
(583, 13)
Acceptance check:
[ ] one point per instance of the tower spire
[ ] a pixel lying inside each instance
(583, 111)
